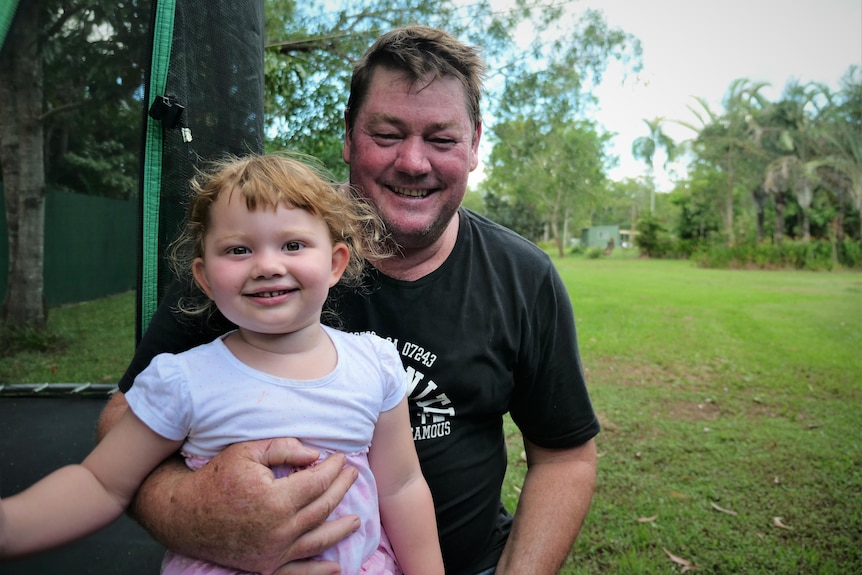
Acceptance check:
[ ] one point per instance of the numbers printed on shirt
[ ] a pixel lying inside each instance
(419, 354)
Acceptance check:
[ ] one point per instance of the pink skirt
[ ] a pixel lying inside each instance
(380, 562)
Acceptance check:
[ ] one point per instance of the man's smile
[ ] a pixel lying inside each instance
(409, 192)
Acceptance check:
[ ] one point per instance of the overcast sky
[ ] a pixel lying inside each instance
(698, 47)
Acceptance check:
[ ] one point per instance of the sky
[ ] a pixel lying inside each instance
(699, 47)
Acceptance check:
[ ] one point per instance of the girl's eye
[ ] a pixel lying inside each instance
(293, 246)
(238, 251)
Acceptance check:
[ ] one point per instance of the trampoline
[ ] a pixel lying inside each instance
(203, 98)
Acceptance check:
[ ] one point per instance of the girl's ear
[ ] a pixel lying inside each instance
(199, 273)
(340, 258)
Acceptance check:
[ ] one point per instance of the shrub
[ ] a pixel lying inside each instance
(816, 255)
(595, 253)
(28, 339)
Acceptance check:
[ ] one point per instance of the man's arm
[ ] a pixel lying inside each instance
(554, 501)
(235, 513)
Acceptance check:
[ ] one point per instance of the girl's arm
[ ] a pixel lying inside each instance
(79, 499)
(406, 508)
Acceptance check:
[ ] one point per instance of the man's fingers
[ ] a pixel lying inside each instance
(287, 451)
(309, 568)
(315, 542)
(320, 488)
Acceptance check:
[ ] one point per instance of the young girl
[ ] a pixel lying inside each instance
(266, 239)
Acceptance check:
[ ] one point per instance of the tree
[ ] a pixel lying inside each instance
(544, 150)
(517, 215)
(310, 54)
(86, 48)
(21, 156)
(730, 143)
(839, 165)
(794, 140)
(558, 168)
(645, 147)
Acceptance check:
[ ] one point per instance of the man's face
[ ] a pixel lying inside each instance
(410, 152)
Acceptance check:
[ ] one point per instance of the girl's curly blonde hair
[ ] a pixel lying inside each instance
(266, 182)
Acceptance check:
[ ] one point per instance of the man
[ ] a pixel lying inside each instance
(483, 324)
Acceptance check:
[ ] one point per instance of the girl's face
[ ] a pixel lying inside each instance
(268, 271)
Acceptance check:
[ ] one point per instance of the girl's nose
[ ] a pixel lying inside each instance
(268, 265)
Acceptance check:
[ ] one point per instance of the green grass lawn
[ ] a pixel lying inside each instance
(96, 340)
(727, 398)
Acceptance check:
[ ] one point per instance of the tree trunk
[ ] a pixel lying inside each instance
(778, 234)
(760, 218)
(728, 202)
(22, 161)
(555, 231)
(806, 226)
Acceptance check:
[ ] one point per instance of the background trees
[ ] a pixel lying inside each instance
(645, 148)
(71, 77)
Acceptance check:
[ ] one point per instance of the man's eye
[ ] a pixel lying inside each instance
(387, 136)
(293, 246)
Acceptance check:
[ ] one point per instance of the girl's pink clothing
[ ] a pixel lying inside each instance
(209, 399)
(347, 552)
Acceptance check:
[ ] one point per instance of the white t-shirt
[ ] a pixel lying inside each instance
(211, 399)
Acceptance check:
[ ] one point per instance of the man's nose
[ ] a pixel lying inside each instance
(412, 156)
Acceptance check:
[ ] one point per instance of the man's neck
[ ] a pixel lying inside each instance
(411, 265)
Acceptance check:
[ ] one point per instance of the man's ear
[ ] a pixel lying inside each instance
(345, 148)
(199, 273)
(475, 147)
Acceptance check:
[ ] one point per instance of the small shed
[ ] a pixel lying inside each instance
(600, 236)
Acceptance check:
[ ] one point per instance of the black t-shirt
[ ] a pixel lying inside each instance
(491, 331)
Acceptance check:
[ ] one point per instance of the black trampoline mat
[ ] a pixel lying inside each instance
(41, 434)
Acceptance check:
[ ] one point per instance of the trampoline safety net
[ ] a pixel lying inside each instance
(203, 98)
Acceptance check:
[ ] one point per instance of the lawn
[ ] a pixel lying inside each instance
(730, 402)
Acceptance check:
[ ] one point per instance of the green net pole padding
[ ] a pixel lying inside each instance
(204, 99)
(151, 170)
(7, 14)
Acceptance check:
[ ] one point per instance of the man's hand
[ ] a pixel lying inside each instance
(234, 512)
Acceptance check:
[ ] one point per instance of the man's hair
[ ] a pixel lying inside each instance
(421, 54)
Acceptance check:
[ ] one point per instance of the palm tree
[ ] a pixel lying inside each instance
(793, 121)
(645, 147)
(840, 131)
(731, 141)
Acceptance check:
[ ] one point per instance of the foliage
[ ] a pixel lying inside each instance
(652, 238)
(93, 65)
(556, 168)
(70, 80)
(14, 341)
(83, 343)
(819, 255)
(645, 148)
(595, 253)
(311, 47)
(518, 215)
(622, 204)
(545, 151)
(794, 163)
